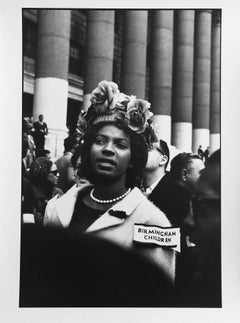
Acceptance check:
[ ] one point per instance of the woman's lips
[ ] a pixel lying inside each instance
(106, 161)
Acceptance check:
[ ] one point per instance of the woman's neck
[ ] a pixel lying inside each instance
(105, 191)
(110, 190)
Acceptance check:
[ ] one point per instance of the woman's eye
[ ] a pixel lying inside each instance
(99, 141)
(122, 145)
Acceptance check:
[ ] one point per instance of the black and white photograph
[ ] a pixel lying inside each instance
(121, 199)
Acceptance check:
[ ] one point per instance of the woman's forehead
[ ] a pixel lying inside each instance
(113, 131)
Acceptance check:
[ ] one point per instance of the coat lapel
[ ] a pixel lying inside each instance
(66, 203)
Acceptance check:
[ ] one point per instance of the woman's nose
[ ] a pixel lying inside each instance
(108, 148)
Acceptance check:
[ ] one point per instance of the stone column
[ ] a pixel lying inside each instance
(100, 44)
(202, 73)
(183, 80)
(51, 83)
(215, 83)
(161, 72)
(134, 53)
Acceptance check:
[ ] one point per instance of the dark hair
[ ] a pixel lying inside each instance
(42, 152)
(77, 153)
(25, 146)
(39, 170)
(138, 161)
(215, 158)
(69, 143)
(213, 171)
(181, 161)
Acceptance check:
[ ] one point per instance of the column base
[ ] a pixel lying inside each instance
(54, 142)
(162, 126)
(214, 142)
(182, 136)
(200, 137)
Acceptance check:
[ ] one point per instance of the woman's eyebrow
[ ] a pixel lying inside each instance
(113, 138)
(101, 135)
(122, 139)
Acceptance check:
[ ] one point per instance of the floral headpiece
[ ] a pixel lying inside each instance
(108, 104)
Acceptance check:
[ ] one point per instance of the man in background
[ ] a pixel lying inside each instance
(156, 178)
(64, 166)
(40, 130)
(203, 288)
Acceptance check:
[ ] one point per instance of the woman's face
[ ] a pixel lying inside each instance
(53, 175)
(110, 153)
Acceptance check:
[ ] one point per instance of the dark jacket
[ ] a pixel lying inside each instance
(172, 199)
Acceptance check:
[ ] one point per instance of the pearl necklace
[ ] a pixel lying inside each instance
(115, 199)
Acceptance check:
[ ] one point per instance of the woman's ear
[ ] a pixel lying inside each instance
(130, 166)
(184, 174)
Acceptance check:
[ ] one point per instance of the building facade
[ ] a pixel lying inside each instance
(169, 57)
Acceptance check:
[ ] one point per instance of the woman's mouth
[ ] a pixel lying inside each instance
(106, 161)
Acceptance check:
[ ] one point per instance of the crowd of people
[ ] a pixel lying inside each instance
(82, 215)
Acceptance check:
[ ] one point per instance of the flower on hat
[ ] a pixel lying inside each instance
(82, 124)
(105, 97)
(108, 104)
(138, 114)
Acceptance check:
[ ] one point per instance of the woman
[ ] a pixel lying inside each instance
(113, 157)
(43, 176)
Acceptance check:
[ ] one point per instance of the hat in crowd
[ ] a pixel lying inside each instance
(108, 104)
(163, 147)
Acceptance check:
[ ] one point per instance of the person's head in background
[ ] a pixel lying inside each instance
(43, 173)
(158, 159)
(76, 162)
(43, 153)
(69, 144)
(185, 169)
(40, 117)
(206, 207)
(25, 150)
(158, 156)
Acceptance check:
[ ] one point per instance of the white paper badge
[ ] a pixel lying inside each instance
(28, 218)
(164, 237)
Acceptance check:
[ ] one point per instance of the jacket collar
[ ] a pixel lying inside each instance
(65, 205)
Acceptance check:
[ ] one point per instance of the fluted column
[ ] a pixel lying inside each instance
(202, 73)
(51, 83)
(215, 84)
(183, 80)
(161, 72)
(100, 44)
(134, 53)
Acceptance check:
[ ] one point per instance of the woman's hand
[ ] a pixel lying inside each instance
(82, 181)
